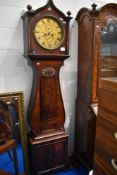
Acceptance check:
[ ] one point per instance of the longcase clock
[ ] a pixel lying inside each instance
(46, 45)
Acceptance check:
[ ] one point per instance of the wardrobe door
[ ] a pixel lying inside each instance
(85, 119)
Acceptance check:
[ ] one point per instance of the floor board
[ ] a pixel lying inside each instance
(6, 173)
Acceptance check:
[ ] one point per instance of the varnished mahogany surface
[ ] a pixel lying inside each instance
(99, 169)
(46, 115)
(106, 129)
(90, 69)
(48, 154)
(46, 111)
(31, 48)
(85, 121)
(6, 173)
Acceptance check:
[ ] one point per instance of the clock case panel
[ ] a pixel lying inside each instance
(31, 48)
(46, 112)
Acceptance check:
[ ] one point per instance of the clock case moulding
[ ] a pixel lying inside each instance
(31, 48)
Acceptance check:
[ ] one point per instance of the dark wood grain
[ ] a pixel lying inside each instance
(46, 111)
(106, 142)
(46, 116)
(31, 47)
(90, 69)
(55, 150)
(85, 121)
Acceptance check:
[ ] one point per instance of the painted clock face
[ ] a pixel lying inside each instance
(49, 33)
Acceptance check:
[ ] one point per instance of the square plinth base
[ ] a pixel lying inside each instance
(49, 154)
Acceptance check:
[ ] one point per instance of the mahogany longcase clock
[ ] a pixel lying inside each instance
(46, 45)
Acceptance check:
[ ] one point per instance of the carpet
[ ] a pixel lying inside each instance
(7, 165)
(74, 171)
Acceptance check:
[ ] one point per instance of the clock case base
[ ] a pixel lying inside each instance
(48, 153)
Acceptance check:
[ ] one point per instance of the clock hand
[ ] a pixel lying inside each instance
(49, 36)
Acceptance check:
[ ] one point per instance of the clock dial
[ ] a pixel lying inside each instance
(49, 33)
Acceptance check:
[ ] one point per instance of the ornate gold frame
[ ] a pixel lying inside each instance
(18, 96)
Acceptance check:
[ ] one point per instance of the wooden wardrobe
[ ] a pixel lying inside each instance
(96, 59)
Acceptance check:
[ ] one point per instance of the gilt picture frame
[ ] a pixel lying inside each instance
(17, 99)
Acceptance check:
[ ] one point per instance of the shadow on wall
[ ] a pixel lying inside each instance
(68, 81)
(68, 86)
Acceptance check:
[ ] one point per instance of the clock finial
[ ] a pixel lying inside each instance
(29, 7)
(68, 13)
(50, 1)
(94, 7)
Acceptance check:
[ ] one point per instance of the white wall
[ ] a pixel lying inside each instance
(16, 74)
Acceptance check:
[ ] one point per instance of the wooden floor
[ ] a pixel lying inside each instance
(5, 173)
